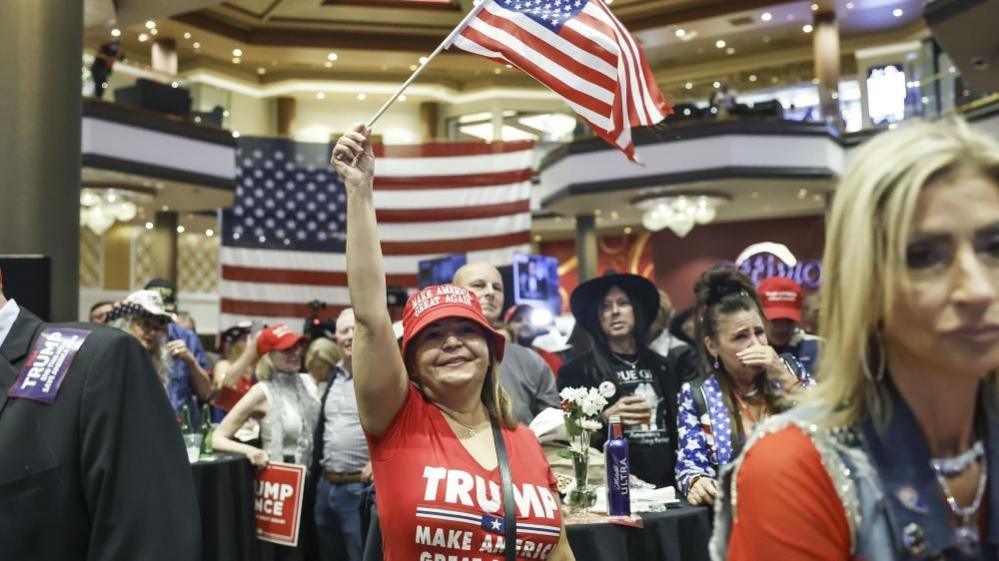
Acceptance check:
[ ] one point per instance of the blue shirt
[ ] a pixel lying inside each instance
(345, 449)
(179, 376)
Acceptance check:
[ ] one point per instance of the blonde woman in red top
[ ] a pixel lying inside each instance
(895, 454)
(429, 413)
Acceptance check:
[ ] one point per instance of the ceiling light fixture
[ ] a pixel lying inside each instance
(236, 60)
(261, 71)
(720, 43)
(680, 32)
(815, 7)
(849, 5)
(897, 12)
(752, 77)
(150, 24)
(689, 86)
(332, 57)
(730, 51)
(143, 37)
(209, 232)
(237, 52)
(716, 85)
(402, 98)
(154, 31)
(187, 35)
(320, 95)
(362, 96)
(766, 16)
(328, 64)
(807, 28)
(680, 212)
(101, 208)
(116, 32)
(196, 45)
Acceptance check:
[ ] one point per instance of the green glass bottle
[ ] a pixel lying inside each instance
(207, 430)
(185, 420)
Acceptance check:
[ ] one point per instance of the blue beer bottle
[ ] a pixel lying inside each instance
(618, 470)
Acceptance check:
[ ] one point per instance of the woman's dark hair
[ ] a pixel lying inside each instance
(720, 291)
(676, 324)
(601, 347)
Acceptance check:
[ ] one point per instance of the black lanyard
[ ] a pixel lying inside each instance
(509, 508)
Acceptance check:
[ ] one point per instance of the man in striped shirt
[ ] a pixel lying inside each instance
(340, 456)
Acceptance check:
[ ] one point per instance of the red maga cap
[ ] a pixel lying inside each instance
(277, 338)
(442, 301)
(782, 298)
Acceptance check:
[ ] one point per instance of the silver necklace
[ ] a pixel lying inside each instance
(967, 532)
(956, 465)
(631, 363)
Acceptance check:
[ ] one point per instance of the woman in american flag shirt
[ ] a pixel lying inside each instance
(745, 381)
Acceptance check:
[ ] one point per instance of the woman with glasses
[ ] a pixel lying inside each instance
(143, 315)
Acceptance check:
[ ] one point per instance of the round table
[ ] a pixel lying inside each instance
(679, 533)
(225, 496)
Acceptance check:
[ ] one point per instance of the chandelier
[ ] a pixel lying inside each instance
(680, 212)
(100, 209)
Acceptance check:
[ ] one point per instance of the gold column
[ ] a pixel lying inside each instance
(827, 65)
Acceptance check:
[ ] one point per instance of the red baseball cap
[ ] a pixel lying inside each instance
(277, 338)
(514, 310)
(782, 298)
(442, 301)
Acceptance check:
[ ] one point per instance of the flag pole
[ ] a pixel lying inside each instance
(440, 48)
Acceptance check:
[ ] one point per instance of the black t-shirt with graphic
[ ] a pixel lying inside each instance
(652, 447)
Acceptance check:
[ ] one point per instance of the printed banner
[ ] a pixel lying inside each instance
(278, 502)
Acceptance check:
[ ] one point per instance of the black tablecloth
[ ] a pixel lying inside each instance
(228, 522)
(225, 495)
(677, 534)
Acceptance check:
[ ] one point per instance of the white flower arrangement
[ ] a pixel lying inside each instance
(581, 408)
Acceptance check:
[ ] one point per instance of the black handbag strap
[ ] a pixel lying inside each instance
(509, 507)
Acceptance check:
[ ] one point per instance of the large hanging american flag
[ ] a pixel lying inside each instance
(284, 238)
(580, 50)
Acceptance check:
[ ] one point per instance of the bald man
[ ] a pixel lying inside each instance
(523, 373)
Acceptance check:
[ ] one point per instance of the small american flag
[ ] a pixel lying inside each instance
(284, 238)
(580, 51)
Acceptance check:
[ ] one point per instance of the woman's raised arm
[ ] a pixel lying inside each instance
(380, 379)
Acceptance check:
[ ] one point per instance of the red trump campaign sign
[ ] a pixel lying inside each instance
(278, 502)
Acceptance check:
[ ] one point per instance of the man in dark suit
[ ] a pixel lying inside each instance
(92, 463)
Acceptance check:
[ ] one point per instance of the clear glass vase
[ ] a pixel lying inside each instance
(582, 496)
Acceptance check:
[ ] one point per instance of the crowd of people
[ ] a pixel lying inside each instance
(879, 440)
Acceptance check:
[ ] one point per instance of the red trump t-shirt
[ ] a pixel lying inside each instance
(437, 503)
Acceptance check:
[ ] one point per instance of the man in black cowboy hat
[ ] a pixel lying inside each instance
(92, 463)
(640, 385)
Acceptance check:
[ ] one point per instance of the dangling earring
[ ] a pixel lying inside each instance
(716, 364)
